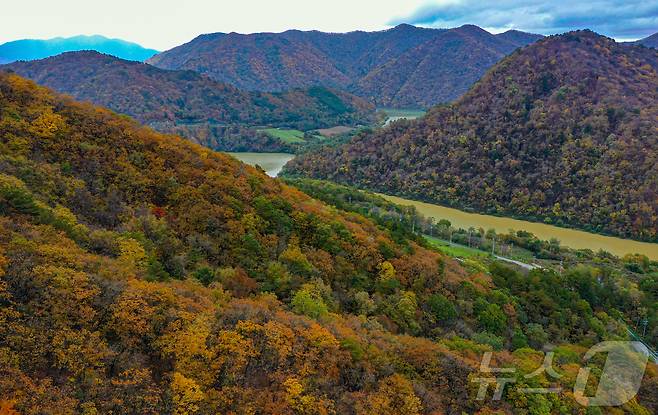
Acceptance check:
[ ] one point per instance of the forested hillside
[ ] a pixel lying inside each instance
(217, 115)
(141, 273)
(439, 70)
(403, 66)
(650, 41)
(562, 131)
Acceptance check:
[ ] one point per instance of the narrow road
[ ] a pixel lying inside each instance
(519, 263)
(524, 265)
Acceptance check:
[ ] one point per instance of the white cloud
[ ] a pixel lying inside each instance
(615, 18)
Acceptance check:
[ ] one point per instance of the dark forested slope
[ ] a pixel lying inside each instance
(438, 70)
(563, 131)
(650, 41)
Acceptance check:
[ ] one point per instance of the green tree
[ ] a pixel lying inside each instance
(205, 275)
(308, 301)
(442, 309)
(536, 335)
(519, 340)
(492, 319)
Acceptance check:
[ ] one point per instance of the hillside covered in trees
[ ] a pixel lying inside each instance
(217, 115)
(650, 41)
(141, 273)
(439, 70)
(405, 66)
(563, 131)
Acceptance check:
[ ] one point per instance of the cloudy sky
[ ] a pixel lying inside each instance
(621, 19)
(163, 24)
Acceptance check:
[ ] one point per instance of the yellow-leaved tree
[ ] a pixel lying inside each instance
(395, 396)
(186, 395)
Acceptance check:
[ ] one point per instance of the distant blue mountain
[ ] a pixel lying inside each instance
(31, 49)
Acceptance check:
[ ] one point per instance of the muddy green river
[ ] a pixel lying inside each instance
(272, 163)
(568, 237)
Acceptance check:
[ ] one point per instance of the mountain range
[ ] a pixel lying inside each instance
(141, 273)
(184, 102)
(562, 131)
(402, 66)
(30, 49)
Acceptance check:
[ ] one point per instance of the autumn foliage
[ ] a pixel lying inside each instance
(562, 131)
(140, 273)
(211, 113)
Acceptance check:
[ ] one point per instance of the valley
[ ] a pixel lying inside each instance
(541, 136)
(273, 163)
(572, 238)
(214, 114)
(160, 268)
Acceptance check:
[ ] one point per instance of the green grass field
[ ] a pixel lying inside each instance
(287, 136)
(454, 250)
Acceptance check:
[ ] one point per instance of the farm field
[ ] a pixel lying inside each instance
(288, 136)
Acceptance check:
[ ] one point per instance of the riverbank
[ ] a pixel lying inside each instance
(272, 163)
(572, 238)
